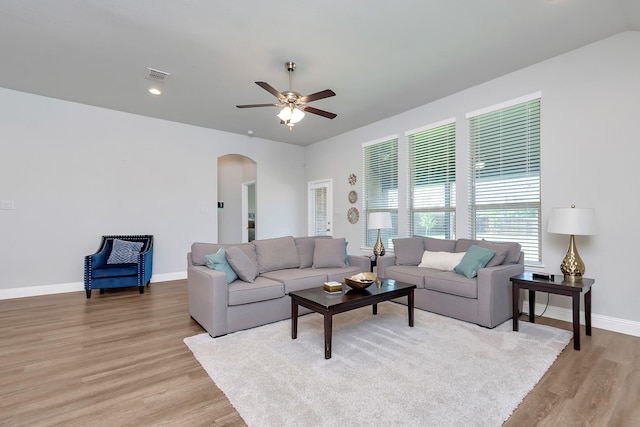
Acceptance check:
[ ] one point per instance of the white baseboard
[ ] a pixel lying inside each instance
(59, 288)
(613, 324)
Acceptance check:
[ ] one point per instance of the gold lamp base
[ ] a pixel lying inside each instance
(378, 248)
(572, 265)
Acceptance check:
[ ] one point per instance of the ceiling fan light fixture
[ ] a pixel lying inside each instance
(296, 115)
(292, 103)
(285, 114)
(291, 115)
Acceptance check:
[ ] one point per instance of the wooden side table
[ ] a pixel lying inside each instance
(559, 286)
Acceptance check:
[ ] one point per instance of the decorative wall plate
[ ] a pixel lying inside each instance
(353, 179)
(353, 196)
(353, 215)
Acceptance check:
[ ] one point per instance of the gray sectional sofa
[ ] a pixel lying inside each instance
(267, 271)
(484, 299)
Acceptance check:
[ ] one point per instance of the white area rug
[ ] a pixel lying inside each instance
(442, 372)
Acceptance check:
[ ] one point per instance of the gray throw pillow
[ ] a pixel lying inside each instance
(306, 246)
(276, 254)
(329, 253)
(408, 250)
(245, 268)
(124, 252)
(501, 250)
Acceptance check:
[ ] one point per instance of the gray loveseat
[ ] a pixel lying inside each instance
(484, 299)
(268, 270)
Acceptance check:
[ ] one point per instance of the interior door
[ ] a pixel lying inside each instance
(320, 208)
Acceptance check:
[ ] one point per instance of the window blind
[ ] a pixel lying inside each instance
(432, 181)
(380, 187)
(504, 172)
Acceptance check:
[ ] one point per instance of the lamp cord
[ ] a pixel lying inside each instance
(545, 307)
(543, 311)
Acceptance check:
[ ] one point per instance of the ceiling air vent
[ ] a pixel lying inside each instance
(157, 75)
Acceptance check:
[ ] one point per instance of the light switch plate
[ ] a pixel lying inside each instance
(7, 204)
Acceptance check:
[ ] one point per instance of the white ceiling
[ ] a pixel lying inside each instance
(381, 58)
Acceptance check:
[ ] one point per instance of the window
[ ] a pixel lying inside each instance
(432, 181)
(504, 173)
(380, 187)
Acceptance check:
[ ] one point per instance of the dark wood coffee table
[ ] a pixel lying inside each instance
(327, 304)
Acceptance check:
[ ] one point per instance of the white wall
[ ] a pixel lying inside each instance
(590, 150)
(76, 172)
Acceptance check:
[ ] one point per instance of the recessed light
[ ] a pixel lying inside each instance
(155, 91)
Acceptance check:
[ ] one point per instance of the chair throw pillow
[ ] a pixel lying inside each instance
(245, 268)
(124, 252)
(441, 260)
(329, 253)
(473, 260)
(218, 262)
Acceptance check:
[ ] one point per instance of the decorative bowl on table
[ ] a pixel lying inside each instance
(360, 281)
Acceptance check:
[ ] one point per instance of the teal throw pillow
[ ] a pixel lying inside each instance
(346, 254)
(218, 261)
(475, 259)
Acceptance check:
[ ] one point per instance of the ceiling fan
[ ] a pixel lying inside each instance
(292, 103)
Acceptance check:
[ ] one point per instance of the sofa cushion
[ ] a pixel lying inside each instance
(441, 260)
(473, 260)
(338, 274)
(295, 279)
(199, 251)
(329, 253)
(124, 252)
(261, 289)
(115, 270)
(513, 254)
(276, 254)
(245, 267)
(451, 283)
(411, 274)
(439, 245)
(408, 250)
(305, 247)
(218, 261)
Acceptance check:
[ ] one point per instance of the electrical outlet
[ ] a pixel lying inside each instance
(7, 204)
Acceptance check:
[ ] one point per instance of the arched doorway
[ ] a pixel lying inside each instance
(237, 192)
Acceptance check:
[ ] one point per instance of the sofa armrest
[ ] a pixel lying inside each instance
(382, 262)
(208, 298)
(494, 293)
(363, 262)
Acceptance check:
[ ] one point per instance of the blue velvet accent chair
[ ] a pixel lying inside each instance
(104, 271)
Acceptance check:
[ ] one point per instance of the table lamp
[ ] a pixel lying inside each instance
(378, 220)
(572, 221)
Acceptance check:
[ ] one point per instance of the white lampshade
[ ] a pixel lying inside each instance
(285, 114)
(577, 221)
(378, 220)
(291, 115)
(296, 115)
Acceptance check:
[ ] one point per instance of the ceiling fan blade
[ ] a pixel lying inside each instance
(322, 113)
(258, 105)
(271, 90)
(318, 95)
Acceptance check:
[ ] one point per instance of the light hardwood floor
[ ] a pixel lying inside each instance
(118, 360)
